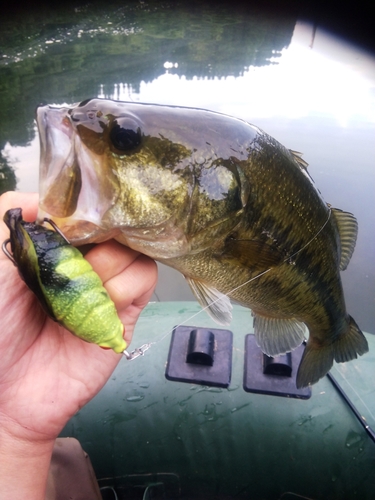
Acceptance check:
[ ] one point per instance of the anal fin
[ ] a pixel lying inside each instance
(278, 336)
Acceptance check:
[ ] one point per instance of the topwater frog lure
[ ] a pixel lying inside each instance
(70, 292)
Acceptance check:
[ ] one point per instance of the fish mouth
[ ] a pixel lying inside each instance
(68, 177)
(59, 172)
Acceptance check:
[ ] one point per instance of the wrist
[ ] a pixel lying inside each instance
(24, 466)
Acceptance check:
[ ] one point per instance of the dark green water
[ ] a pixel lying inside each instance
(311, 91)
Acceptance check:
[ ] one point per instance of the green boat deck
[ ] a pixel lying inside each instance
(154, 438)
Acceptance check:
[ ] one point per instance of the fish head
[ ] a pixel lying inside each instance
(160, 179)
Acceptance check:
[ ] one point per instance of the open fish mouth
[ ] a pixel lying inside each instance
(60, 175)
(68, 176)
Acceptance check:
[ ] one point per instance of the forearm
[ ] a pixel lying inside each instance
(24, 467)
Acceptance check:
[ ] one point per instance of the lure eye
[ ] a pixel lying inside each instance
(125, 135)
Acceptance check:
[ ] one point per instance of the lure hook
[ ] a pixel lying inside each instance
(56, 228)
(50, 222)
(6, 251)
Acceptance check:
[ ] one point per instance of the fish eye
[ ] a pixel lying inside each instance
(125, 135)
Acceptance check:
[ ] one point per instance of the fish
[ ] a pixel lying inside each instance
(217, 199)
(67, 287)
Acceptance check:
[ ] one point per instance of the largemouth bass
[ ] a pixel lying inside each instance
(217, 199)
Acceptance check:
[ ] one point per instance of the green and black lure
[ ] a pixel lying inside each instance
(69, 290)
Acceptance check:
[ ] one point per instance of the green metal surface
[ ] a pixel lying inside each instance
(147, 434)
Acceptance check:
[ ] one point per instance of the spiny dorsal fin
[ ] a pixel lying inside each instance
(278, 336)
(348, 230)
(298, 158)
(214, 302)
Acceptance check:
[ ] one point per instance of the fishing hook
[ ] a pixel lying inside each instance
(50, 222)
(6, 251)
(56, 228)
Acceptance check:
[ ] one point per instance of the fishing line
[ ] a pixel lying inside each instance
(312, 239)
(356, 392)
(141, 350)
(354, 409)
(209, 305)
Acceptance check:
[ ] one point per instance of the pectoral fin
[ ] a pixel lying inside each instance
(214, 302)
(254, 254)
(278, 336)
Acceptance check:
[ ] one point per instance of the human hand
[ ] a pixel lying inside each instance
(46, 373)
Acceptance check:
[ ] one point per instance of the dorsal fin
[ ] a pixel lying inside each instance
(214, 302)
(298, 158)
(348, 230)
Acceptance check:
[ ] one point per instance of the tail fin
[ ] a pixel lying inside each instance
(349, 345)
(317, 359)
(315, 363)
